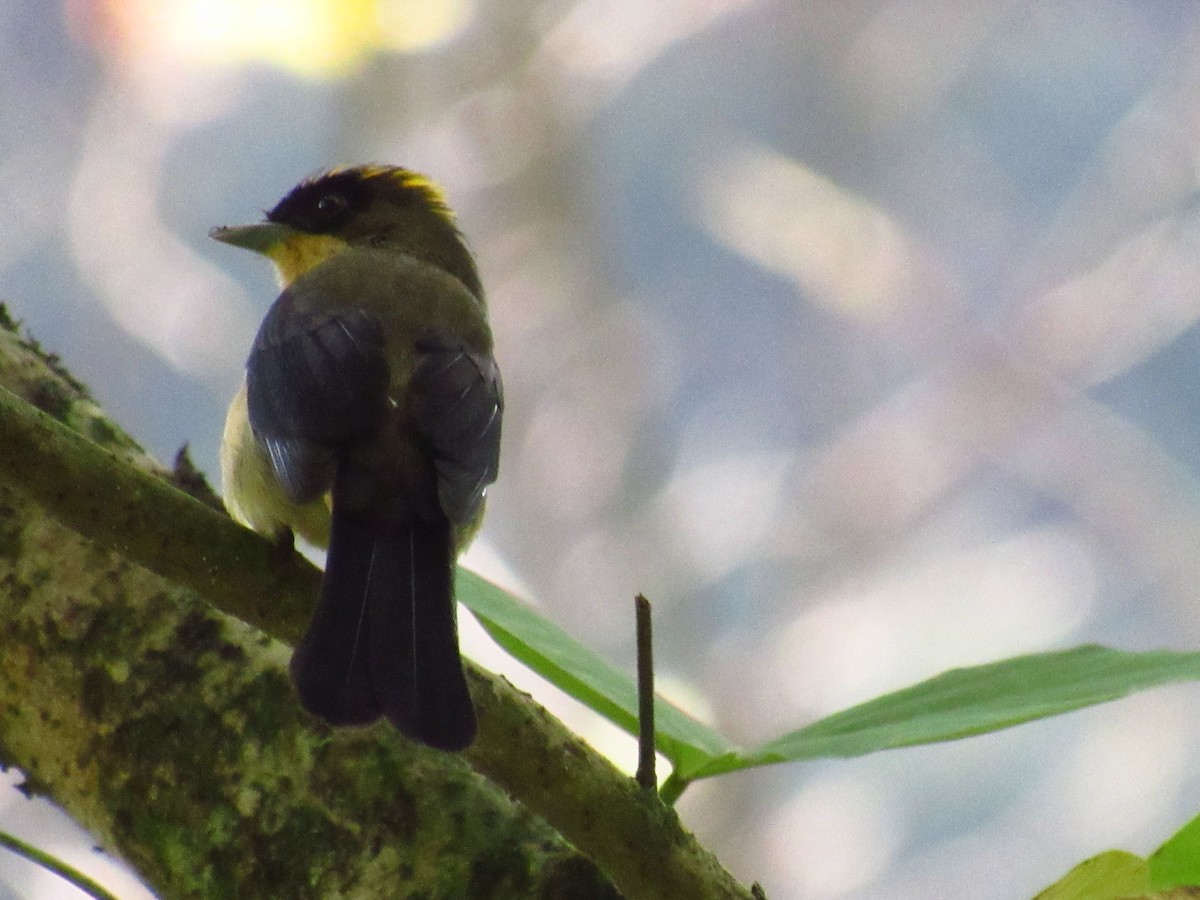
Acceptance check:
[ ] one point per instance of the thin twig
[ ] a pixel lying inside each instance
(646, 776)
(52, 864)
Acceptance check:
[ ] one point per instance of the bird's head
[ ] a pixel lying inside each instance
(377, 206)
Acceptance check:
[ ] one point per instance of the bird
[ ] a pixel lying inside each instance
(369, 423)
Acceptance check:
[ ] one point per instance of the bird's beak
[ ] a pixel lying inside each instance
(263, 238)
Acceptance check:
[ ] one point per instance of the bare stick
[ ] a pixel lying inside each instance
(645, 681)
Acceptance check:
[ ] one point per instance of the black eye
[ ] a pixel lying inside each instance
(330, 206)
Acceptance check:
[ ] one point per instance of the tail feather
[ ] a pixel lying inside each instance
(415, 663)
(330, 667)
(384, 639)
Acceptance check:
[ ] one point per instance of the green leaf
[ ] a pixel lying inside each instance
(1177, 862)
(955, 704)
(582, 673)
(964, 702)
(1109, 876)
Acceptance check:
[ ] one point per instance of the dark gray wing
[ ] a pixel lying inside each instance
(314, 380)
(457, 405)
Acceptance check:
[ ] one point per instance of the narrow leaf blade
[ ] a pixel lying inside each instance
(971, 701)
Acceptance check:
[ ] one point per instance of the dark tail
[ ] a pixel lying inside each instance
(384, 639)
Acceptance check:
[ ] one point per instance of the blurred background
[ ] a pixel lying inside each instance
(860, 337)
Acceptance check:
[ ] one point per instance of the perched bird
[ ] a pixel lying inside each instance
(369, 423)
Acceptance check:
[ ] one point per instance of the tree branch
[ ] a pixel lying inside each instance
(151, 716)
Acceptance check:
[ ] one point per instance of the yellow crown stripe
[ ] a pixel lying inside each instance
(402, 177)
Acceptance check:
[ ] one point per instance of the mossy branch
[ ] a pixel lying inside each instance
(162, 718)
